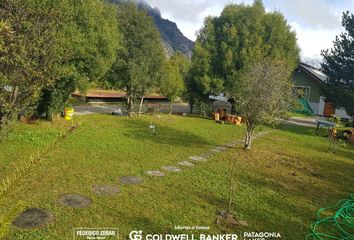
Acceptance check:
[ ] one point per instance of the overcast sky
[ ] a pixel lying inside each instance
(316, 22)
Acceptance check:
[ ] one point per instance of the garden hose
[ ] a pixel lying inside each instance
(339, 226)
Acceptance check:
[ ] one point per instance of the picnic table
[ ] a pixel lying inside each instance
(322, 123)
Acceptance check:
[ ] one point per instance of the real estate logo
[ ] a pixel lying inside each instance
(136, 235)
(95, 234)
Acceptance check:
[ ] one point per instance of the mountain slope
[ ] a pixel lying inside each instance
(173, 38)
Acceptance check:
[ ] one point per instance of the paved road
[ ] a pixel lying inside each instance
(306, 122)
(109, 108)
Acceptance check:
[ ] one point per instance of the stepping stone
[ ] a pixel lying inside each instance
(171, 169)
(106, 190)
(33, 218)
(206, 155)
(230, 145)
(186, 163)
(221, 148)
(198, 158)
(216, 150)
(75, 201)
(155, 173)
(131, 180)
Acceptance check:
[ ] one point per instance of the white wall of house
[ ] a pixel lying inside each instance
(314, 107)
(321, 106)
(340, 112)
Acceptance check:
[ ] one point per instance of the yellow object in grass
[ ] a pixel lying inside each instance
(69, 113)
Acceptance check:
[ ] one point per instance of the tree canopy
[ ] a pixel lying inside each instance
(90, 39)
(172, 85)
(139, 63)
(338, 64)
(30, 58)
(227, 46)
(50, 48)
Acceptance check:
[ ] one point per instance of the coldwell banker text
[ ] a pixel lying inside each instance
(137, 235)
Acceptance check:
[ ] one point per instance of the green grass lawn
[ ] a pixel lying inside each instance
(281, 183)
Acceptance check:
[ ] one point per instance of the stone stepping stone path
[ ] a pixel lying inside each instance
(231, 145)
(37, 217)
(33, 218)
(75, 201)
(216, 150)
(130, 180)
(171, 169)
(186, 163)
(106, 190)
(198, 158)
(155, 173)
(206, 155)
(222, 148)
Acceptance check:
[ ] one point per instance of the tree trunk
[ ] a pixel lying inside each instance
(249, 133)
(130, 104)
(170, 108)
(141, 105)
(233, 106)
(232, 183)
(14, 95)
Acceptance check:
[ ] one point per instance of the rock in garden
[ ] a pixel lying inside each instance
(130, 180)
(198, 158)
(106, 190)
(33, 218)
(186, 163)
(75, 201)
(171, 169)
(155, 173)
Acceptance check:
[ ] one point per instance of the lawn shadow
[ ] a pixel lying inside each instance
(139, 129)
(146, 225)
(286, 127)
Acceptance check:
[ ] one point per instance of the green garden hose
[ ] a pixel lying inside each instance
(339, 226)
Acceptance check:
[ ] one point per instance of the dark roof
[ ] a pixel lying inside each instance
(314, 72)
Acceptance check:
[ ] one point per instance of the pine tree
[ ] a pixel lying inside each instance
(338, 64)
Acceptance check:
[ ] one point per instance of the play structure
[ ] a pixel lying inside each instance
(304, 107)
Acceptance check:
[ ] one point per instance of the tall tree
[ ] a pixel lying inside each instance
(138, 68)
(338, 64)
(241, 36)
(91, 40)
(202, 80)
(172, 85)
(264, 95)
(32, 54)
(229, 46)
